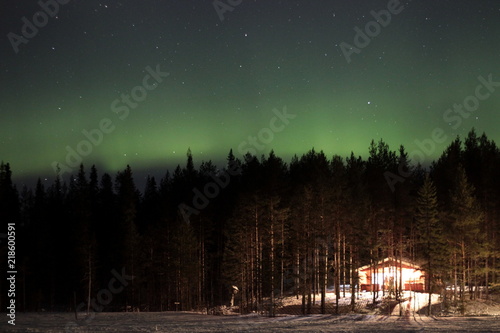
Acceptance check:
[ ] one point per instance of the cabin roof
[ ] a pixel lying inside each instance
(390, 261)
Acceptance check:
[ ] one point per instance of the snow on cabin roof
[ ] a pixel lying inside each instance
(394, 261)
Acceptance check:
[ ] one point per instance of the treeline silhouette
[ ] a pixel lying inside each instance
(267, 227)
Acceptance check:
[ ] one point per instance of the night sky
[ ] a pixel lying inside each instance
(228, 79)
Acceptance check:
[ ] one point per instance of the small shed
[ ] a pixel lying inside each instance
(389, 274)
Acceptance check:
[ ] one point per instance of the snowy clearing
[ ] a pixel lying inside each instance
(191, 322)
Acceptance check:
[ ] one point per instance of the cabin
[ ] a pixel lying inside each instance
(388, 275)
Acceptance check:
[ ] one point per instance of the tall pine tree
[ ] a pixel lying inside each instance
(430, 238)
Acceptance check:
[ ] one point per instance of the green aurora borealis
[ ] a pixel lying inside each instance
(226, 77)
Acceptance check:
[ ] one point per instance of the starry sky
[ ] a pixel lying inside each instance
(140, 82)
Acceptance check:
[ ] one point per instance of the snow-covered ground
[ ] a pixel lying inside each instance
(191, 322)
(403, 318)
(414, 302)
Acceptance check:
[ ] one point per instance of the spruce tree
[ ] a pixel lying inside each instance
(430, 239)
(466, 219)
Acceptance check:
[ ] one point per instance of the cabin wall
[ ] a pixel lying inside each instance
(387, 276)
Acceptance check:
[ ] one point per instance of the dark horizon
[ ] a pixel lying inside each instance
(158, 171)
